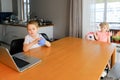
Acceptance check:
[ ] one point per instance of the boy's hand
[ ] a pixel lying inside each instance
(41, 42)
(36, 40)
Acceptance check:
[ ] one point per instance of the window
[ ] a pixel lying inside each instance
(109, 11)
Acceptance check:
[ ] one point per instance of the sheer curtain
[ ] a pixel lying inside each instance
(75, 25)
(88, 17)
(82, 17)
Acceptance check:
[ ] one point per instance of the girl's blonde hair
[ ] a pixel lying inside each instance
(34, 23)
(104, 24)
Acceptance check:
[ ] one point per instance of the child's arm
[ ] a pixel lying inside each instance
(96, 37)
(109, 37)
(47, 43)
(26, 47)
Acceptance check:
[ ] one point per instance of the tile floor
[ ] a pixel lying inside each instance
(118, 54)
(114, 73)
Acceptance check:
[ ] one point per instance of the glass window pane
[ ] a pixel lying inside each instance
(100, 8)
(99, 12)
(108, 10)
(113, 11)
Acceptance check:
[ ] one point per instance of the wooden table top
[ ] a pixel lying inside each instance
(67, 59)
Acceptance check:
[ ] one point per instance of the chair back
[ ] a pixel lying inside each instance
(90, 36)
(16, 46)
(46, 37)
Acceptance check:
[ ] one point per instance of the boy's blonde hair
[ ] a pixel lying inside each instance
(104, 24)
(33, 22)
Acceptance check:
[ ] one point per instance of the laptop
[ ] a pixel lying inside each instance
(18, 61)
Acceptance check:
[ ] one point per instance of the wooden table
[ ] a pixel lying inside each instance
(67, 59)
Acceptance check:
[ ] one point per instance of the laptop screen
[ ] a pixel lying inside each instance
(6, 58)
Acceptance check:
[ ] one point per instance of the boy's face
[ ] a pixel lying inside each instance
(32, 29)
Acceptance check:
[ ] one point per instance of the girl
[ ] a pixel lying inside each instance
(104, 34)
(34, 39)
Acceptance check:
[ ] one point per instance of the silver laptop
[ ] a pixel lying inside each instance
(19, 61)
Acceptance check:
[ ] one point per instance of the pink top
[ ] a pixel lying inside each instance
(103, 36)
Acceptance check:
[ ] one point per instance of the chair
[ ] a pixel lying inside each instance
(46, 37)
(16, 46)
(90, 36)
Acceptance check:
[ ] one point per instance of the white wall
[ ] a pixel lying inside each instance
(54, 10)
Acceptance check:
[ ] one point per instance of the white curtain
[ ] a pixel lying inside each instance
(88, 17)
(82, 17)
(75, 25)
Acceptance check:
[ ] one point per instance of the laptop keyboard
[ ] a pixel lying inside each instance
(19, 62)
